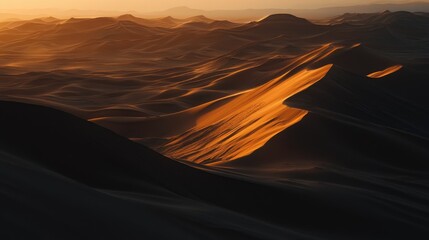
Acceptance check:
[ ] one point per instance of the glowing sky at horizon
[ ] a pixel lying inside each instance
(151, 5)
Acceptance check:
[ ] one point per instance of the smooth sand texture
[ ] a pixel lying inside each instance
(132, 128)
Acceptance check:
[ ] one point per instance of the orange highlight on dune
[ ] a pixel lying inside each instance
(246, 123)
(385, 72)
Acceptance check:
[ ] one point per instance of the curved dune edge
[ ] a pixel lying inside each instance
(245, 124)
(385, 72)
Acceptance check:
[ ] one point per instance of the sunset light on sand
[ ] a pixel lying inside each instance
(186, 119)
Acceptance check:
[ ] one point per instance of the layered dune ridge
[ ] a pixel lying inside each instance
(202, 128)
(248, 121)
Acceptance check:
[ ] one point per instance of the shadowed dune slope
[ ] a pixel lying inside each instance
(78, 170)
(342, 94)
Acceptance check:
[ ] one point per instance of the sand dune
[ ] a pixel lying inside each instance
(209, 25)
(279, 128)
(111, 181)
(244, 124)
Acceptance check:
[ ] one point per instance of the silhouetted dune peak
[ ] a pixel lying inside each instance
(168, 18)
(401, 16)
(90, 23)
(278, 24)
(200, 18)
(73, 20)
(209, 25)
(127, 17)
(284, 18)
(49, 19)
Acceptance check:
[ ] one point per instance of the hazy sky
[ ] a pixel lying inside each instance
(153, 5)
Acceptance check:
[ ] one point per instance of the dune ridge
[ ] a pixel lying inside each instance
(244, 124)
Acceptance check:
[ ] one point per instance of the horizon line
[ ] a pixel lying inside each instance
(210, 10)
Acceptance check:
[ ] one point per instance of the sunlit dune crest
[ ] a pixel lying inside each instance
(385, 72)
(246, 123)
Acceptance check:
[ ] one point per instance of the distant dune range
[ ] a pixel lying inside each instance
(241, 15)
(278, 128)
